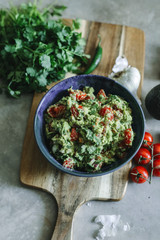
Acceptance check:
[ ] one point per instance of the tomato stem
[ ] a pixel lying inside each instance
(152, 158)
(142, 158)
(139, 175)
(151, 162)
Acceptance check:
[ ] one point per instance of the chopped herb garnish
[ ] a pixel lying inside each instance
(37, 48)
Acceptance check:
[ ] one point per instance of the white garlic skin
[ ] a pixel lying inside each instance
(129, 78)
(126, 75)
(121, 64)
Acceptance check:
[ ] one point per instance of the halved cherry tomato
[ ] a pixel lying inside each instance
(107, 110)
(74, 111)
(68, 163)
(139, 174)
(156, 149)
(56, 110)
(80, 107)
(80, 95)
(88, 98)
(143, 156)
(74, 134)
(156, 166)
(148, 139)
(128, 136)
(101, 93)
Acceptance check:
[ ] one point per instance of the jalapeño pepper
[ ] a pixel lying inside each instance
(96, 60)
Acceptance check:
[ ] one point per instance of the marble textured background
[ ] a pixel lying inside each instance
(29, 214)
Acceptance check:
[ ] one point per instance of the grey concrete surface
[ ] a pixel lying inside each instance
(29, 214)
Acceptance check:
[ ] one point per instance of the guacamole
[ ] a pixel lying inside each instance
(87, 131)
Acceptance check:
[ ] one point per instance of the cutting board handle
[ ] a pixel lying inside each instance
(63, 227)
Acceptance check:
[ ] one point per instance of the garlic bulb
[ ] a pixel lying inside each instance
(126, 75)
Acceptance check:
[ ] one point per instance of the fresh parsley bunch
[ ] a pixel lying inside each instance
(37, 48)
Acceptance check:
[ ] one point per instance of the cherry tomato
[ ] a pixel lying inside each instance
(68, 163)
(107, 110)
(156, 157)
(156, 149)
(139, 174)
(74, 111)
(80, 107)
(74, 134)
(101, 93)
(156, 166)
(88, 97)
(128, 136)
(148, 140)
(143, 156)
(80, 96)
(56, 111)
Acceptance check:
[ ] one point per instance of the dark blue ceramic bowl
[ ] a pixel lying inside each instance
(97, 82)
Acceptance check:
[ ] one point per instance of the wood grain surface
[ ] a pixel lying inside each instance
(71, 191)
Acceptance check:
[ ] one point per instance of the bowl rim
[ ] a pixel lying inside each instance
(45, 152)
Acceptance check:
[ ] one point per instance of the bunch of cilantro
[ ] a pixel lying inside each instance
(37, 48)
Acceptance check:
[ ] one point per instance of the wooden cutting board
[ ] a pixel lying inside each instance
(71, 191)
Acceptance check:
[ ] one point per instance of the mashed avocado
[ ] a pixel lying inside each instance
(87, 131)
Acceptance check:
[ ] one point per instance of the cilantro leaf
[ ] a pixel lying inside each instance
(76, 24)
(18, 43)
(9, 48)
(30, 71)
(45, 61)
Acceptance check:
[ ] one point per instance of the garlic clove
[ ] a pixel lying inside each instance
(121, 64)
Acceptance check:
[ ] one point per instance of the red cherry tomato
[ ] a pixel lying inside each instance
(56, 111)
(156, 157)
(156, 149)
(68, 163)
(88, 97)
(128, 136)
(107, 110)
(139, 174)
(74, 134)
(156, 166)
(80, 96)
(80, 107)
(101, 93)
(74, 111)
(143, 156)
(148, 140)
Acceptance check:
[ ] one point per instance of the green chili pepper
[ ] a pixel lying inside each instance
(97, 58)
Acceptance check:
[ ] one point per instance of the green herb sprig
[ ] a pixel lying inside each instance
(37, 48)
